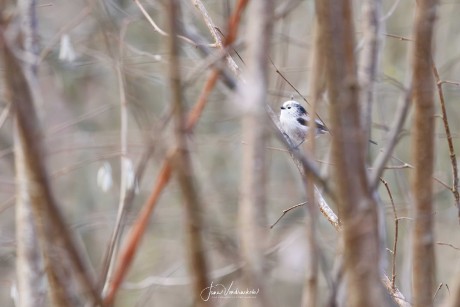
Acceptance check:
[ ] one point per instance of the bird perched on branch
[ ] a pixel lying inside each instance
(295, 120)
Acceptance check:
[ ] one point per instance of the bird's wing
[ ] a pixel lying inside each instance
(302, 121)
(320, 125)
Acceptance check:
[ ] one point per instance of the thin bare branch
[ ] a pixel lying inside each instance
(286, 211)
(393, 137)
(395, 240)
(448, 244)
(450, 143)
(213, 30)
(114, 241)
(369, 59)
(157, 28)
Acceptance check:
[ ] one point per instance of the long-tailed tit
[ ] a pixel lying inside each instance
(294, 120)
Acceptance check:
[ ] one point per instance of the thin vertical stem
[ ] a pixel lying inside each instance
(450, 143)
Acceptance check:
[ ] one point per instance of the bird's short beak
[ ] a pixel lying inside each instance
(282, 108)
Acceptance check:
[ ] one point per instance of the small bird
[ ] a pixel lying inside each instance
(294, 120)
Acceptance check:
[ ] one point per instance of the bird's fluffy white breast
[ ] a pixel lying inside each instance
(292, 127)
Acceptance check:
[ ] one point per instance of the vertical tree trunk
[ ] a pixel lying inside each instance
(423, 155)
(252, 208)
(193, 208)
(316, 81)
(29, 264)
(52, 230)
(357, 208)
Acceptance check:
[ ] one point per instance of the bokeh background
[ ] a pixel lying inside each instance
(82, 42)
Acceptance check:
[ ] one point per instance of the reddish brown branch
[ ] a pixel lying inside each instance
(234, 22)
(128, 252)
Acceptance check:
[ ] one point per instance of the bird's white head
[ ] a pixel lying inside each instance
(292, 108)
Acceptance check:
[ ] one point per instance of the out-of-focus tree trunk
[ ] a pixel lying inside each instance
(316, 81)
(252, 208)
(34, 186)
(423, 274)
(357, 208)
(183, 166)
(29, 264)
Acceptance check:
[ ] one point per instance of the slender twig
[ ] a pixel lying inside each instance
(97, 111)
(212, 29)
(369, 60)
(156, 27)
(114, 240)
(407, 165)
(395, 240)
(437, 290)
(449, 82)
(450, 143)
(398, 123)
(448, 244)
(287, 81)
(402, 38)
(286, 211)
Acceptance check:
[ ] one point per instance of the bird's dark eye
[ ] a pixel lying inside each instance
(289, 107)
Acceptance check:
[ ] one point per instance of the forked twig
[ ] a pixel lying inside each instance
(453, 157)
(395, 241)
(286, 211)
(157, 28)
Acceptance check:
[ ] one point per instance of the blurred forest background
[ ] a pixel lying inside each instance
(97, 57)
